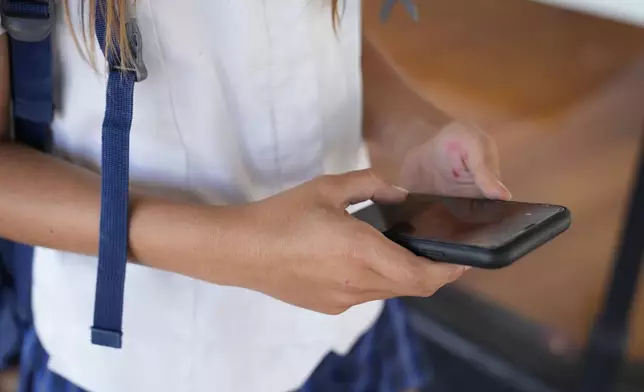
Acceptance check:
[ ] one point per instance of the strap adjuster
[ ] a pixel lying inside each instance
(28, 21)
(136, 46)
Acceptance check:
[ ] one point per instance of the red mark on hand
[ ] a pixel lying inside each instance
(454, 146)
(455, 173)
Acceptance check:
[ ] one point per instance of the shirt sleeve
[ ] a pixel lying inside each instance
(2, 30)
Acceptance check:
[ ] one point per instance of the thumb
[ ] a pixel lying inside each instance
(357, 186)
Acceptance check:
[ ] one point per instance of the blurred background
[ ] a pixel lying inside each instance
(562, 91)
(560, 86)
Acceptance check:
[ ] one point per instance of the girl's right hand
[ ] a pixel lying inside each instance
(302, 247)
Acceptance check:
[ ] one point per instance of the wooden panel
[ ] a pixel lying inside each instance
(562, 93)
(495, 58)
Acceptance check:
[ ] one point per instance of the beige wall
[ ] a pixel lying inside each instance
(622, 10)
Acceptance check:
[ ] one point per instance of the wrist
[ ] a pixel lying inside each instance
(195, 240)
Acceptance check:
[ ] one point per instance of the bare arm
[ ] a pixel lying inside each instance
(394, 113)
(399, 128)
(4, 88)
(298, 246)
(48, 202)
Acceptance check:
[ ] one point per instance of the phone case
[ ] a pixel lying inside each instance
(489, 258)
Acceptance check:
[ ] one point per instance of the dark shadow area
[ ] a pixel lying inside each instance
(477, 345)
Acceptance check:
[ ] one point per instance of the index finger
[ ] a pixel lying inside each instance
(482, 162)
(489, 183)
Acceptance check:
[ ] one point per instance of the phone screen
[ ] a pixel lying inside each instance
(475, 222)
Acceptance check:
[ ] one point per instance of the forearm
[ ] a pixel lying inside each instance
(393, 109)
(48, 202)
(45, 201)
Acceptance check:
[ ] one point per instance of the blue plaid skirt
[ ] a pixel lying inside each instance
(388, 358)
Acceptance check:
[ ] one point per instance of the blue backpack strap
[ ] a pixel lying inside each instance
(112, 255)
(29, 25)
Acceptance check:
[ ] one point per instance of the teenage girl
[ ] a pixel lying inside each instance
(247, 145)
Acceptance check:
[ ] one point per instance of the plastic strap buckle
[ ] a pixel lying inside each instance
(28, 21)
(136, 46)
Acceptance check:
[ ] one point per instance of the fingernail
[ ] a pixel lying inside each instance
(400, 188)
(505, 194)
(458, 272)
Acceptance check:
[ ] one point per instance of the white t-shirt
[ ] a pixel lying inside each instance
(244, 99)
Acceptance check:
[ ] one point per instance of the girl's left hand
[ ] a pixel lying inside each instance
(460, 160)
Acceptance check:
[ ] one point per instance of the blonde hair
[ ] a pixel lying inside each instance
(116, 15)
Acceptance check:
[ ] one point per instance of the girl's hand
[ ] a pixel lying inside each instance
(460, 161)
(303, 248)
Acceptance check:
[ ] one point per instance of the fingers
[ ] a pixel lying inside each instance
(472, 157)
(489, 183)
(358, 186)
(482, 163)
(382, 269)
(431, 276)
(425, 282)
(406, 274)
(428, 279)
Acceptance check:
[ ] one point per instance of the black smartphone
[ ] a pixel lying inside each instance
(476, 232)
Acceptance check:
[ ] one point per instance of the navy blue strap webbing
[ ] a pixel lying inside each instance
(29, 25)
(388, 5)
(112, 254)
